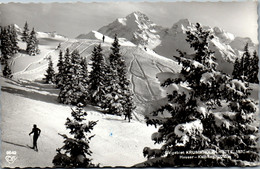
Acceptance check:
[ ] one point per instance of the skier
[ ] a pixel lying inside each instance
(128, 115)
(36, 133)
(103, 38)
(58, 47)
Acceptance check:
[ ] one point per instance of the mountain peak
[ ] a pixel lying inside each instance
(138, 16)
(182, 23)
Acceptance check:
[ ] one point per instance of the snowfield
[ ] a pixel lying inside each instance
(24, 103)
(26, 100)
(142, 65)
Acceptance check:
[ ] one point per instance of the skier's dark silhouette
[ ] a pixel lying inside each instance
(128, 115)
(36, 133)
(103, 38)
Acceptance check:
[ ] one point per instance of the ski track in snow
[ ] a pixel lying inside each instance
(87, 47)
(38, 61)
(13, 60)
(145, 77)
(158, 67)
(66, 42)
(78, 45)
(132, 80)
(27, 67)
(163, 66)
(42, 59)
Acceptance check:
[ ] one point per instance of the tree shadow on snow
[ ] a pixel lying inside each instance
(35, 86)
(31, 95)
(114, 119)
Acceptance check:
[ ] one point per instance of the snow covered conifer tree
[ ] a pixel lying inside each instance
(50, 76)
(75, 153)
(247, 67)
(60, 74)
(128, 103)
(97, 76)
(74, 88)
(32, 44)
(111, 99)
(7, 71)
(115, 57)
(118, 63)
(6, 45)
(84, 65)
(253, 74)
(246, 63)
(13, 38)
(206, 113)
(199, 41)
(118, 98)
(26, 33)
(237, 71)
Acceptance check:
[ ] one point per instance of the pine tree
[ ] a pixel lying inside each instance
(6, 45)
(111, 99)
(14, 39)
(128, 103)
(50, 76)
(237, 70)
(242, 67)
(74, 89)
(118, 63)
(194, 121)
(75, 153)
(118, 92)
(84, 65)
(246, 63)
(7, 71)
(60, 74)
(253, 73)
(32, 44)
(26, 33)
(115, 58)
(199, 40)
(97, 76)
(246, 69)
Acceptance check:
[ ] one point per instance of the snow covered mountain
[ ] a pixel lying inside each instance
(136, 27)
(140, 30)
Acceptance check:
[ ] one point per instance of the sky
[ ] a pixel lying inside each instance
(72, 19)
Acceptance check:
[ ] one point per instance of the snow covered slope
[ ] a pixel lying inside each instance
(142, 65)
(24, 103)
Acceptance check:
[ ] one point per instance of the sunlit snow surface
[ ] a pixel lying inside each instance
(25, 101)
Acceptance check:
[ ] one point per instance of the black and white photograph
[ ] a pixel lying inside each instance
(93, 84)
